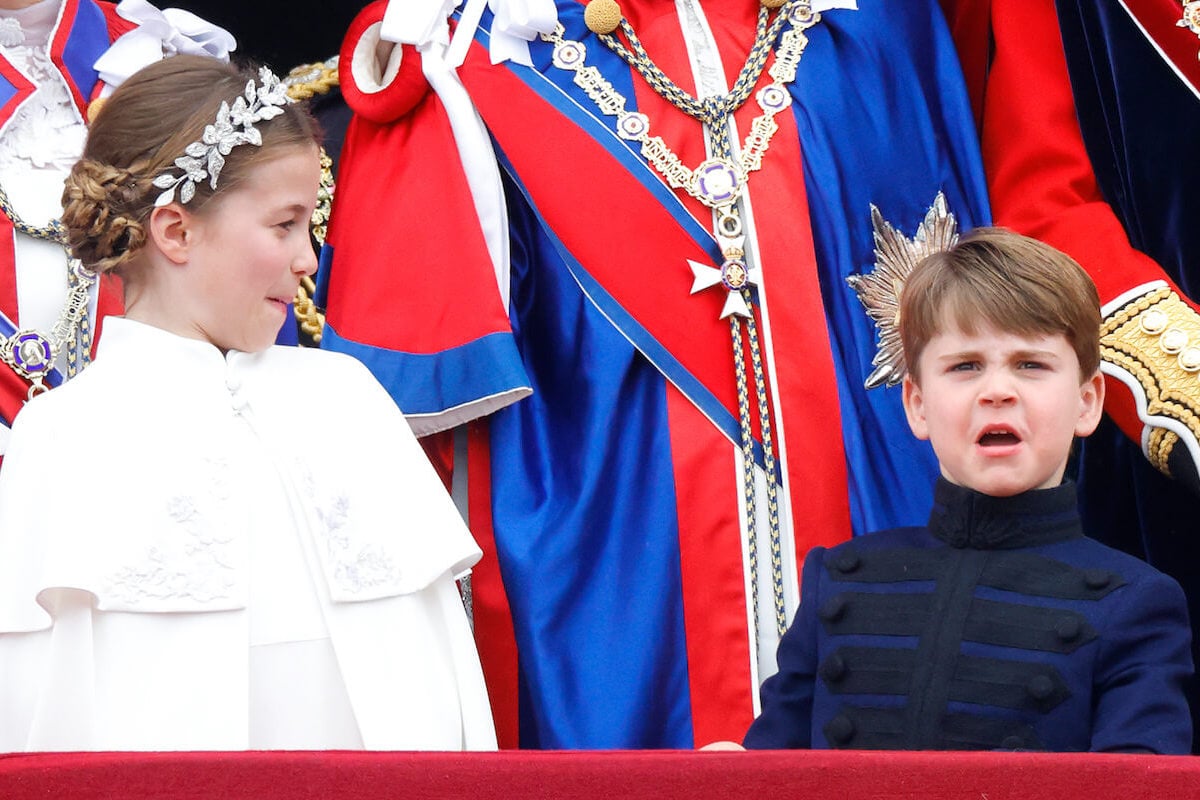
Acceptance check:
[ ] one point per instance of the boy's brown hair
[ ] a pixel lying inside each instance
(1015, 284)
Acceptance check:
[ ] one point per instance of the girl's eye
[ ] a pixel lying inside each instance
(288, 225)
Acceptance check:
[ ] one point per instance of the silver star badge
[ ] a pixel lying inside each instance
(879, 290)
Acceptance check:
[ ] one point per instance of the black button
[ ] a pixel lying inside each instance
(1012, 743)
(834, 610)
(847, 561)
(1096, 578)
(1068, 629)
(834, 668)
(840, 730)
(1040, 687)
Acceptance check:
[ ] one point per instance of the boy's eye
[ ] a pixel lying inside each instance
(1031, 365)
(964, 366)
(287, 225)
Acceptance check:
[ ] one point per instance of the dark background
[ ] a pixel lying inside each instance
(283, 35)
(278, 34)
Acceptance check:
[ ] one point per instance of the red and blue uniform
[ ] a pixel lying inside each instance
(612, 493)
(84, 31)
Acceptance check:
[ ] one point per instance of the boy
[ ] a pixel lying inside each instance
(999, 625)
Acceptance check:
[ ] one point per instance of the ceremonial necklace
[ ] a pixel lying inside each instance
(719, 183)
(31, 353)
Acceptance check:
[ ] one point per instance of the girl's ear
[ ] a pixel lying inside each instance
(172, 231)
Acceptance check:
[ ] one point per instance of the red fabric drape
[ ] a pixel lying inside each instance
(816, 775)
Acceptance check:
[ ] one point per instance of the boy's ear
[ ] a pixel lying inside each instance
(1091, 404)
(914, 408)
(171, 229)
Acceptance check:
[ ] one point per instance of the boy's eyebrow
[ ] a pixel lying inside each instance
(961, 355)
(1034, 353)
(1014, 354)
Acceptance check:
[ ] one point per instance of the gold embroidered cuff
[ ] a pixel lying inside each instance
(1155, 339)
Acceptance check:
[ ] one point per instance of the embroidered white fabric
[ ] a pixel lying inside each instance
(213, 565)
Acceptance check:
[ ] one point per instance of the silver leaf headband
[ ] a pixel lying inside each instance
(234, 125)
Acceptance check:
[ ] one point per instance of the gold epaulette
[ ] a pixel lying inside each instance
(309, 80)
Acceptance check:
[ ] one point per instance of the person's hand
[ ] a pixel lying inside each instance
(722, 745)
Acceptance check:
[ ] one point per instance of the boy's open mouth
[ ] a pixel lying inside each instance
(998, 437)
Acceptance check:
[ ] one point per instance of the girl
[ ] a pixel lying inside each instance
(217, 580)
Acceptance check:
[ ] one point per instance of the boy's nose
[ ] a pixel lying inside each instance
(997, 390)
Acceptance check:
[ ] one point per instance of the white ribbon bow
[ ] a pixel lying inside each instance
(514, 25)
(417, 22)
(159, 34)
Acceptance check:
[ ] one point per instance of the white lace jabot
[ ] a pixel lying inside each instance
(47, 130)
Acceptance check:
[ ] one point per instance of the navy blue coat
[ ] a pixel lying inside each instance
(999, 626)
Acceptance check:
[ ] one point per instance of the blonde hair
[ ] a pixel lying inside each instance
(140, 131)
(1015, 284)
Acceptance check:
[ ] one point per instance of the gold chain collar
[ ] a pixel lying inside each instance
(31, 353)
(720, 181)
